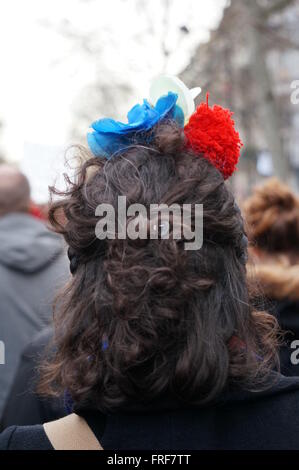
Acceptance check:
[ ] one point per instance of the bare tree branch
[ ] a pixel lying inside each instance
(279, 42)
(277, 7)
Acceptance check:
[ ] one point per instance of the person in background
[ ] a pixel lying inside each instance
(272, 216)
(32, 269)
(23, 395)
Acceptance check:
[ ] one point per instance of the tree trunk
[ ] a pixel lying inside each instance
(269, 110)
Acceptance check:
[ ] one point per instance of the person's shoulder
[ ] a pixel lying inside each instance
(39, 343)
(25, 438)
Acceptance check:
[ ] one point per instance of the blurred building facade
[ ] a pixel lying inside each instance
(249, 65)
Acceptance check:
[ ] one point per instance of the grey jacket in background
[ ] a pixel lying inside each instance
(33, 267)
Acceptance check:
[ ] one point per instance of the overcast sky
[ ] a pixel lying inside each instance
(42, 72)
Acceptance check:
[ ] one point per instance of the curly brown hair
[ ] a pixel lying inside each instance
(144, 318)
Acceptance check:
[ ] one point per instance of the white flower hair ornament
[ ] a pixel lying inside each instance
(164, 84)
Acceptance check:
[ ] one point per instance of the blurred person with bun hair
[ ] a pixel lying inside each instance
(272, 218)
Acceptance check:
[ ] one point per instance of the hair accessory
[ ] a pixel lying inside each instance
(165, 83)
(74, 260)
(110, 137)
(105, 342)
(211, 132)
(242, 246)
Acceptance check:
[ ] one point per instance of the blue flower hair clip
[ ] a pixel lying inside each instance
(172, 100)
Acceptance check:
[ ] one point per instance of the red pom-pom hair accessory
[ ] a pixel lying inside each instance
(211, 132)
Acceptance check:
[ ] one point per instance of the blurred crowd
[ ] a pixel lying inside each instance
(32, 268)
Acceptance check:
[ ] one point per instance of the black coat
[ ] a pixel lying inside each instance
(239, 420)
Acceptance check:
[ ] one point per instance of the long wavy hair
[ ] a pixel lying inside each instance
(143, 318)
